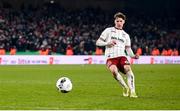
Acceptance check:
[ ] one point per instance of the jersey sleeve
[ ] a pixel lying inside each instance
(104, 34)
(128, 41)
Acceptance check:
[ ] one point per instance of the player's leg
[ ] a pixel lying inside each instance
(130, 80)
(119, 78)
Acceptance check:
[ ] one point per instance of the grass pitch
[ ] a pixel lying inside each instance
(33, 88)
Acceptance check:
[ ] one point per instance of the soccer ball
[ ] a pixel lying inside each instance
(64, 84)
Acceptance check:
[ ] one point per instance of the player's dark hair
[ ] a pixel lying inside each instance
(120, 15)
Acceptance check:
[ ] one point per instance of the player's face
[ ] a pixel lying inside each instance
(119, 22)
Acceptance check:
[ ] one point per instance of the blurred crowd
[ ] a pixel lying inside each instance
(52, 30)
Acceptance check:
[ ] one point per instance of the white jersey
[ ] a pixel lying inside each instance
(122, 39)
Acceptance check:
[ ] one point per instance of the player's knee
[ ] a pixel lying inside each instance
(127, 68)
(113, 70)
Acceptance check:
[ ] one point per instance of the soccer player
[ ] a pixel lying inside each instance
(117, 41)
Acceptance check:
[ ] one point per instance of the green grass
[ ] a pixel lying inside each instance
(33, 87)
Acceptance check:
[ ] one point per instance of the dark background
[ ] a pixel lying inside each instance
(149, 6)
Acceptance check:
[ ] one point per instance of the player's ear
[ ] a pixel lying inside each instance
(124, 21)
(114, 21)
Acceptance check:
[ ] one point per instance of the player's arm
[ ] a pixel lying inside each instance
(128, 48)
(131, 53)
(102, 42)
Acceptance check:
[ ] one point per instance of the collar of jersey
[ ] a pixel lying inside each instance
(117, 28)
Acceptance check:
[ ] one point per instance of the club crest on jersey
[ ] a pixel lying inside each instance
(123, 35)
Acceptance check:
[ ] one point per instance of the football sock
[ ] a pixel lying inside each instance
(120, 79)
(130, 81)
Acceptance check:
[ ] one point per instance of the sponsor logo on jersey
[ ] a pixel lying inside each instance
(117, 39)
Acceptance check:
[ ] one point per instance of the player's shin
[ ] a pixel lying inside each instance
(131, 83)
(118, 76)
(121, 81)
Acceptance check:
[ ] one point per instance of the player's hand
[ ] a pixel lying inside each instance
(111, 43)
(136, 56)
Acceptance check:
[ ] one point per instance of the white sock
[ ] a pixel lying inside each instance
(130, 81)
(121, 81)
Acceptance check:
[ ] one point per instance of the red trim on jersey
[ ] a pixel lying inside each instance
(118, 28)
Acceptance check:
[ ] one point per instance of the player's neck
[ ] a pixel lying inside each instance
(118, 28)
